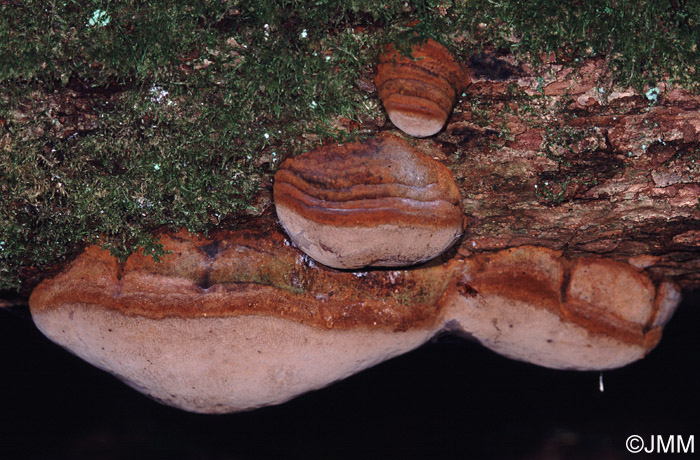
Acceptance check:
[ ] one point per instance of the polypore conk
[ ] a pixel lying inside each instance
(238, 320)
(530, 304)
(419, 91)
(201, 332)
(377, 203)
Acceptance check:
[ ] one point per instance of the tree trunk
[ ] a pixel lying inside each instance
(556, 157)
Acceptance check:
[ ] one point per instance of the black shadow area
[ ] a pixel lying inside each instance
(449, 399)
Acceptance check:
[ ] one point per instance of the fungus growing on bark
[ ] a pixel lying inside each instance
(419, 91)
(376, 203)
(239, 320)
(223, 324)
(531, 304)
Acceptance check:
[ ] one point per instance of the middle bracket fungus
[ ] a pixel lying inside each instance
(378, 203)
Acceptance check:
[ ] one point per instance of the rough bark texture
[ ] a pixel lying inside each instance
(558, 158)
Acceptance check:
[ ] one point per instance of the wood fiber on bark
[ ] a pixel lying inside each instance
(557, 157)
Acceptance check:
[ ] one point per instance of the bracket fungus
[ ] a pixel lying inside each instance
(420, 90)
(532, 304)
(377, 203)
(241, 320)
(223, 324)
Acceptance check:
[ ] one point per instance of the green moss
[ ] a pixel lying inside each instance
(118, 118)
(643, 41)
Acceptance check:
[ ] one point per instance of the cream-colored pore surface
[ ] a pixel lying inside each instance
(355, 247)
(219, 365)
(412, 122)
(415, 125)
(525, 332)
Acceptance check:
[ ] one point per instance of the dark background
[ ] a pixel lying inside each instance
(449, 399)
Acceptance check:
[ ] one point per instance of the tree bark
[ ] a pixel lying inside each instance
(557, 157)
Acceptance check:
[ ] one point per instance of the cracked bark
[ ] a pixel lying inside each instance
(554, 157)
(557, 157)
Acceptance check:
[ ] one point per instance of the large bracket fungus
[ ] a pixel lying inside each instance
(241, 319)
(376, 203)
(420, 90)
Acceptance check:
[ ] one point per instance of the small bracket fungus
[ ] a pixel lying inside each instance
(419, 91)
(377, 203)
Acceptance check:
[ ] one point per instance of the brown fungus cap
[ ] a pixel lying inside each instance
(420, 90)
(375, 203)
